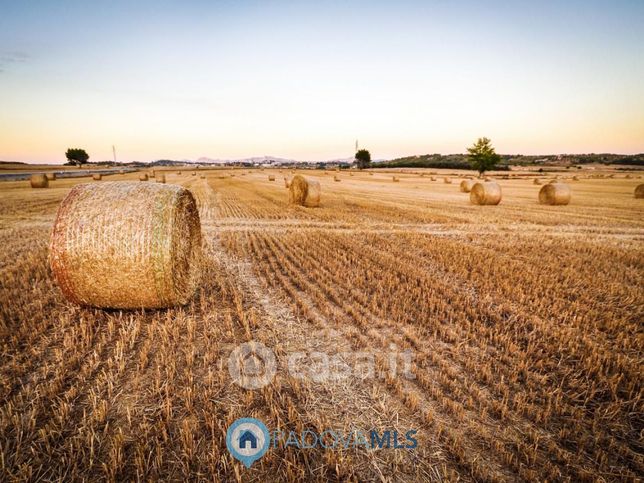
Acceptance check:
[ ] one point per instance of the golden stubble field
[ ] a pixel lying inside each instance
(525, 322)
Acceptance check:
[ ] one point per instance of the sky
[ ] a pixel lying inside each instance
(303, 80)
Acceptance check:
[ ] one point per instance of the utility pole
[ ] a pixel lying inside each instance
(114, 152)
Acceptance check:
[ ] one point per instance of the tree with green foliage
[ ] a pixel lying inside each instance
(363, 159)
(76, 156)
(482, 156)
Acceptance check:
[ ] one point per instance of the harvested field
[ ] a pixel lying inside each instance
(524, 321)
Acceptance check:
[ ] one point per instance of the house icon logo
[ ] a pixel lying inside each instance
(247, 440)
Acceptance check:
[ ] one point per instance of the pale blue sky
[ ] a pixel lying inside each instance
(305, 79)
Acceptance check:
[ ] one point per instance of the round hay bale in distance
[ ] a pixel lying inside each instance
(160, 178)
(271, 177)
(536, 181)
(554, 194)
(51, 176)
(304, 192)
(639, 191)
(447, 181)
(395, 179)
(466, 185)
(38, 181)
(485, 193)
(143, 177)
(336, 178)
(127, 245)
(97, 176)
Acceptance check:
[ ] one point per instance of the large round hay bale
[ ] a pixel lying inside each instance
(143, 177)
(127, 245)
(447, 181)
(97, 176)
(554, 194)
(485, 193)
(304, 192)
(639, 191)
(51, 176)
(271, 177)
(466, 185)
(536, 181)
(160, 178)
(39, 181)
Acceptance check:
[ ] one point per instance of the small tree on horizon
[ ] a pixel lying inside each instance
(482, 156)
(76, 156)
(363, 158)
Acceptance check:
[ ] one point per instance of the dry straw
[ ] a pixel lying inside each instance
(466, 185)
(286, 183)
(485, 193)
(554, 194)
(143, 177)
(304, 192)
(51, 176)
(127, 245)
(39, 181)
(639, 191)
(97, 176)
(160, 178)
(271, 177)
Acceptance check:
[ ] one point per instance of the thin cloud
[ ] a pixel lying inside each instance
(9, 58)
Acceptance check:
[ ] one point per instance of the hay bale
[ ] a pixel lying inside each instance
(51, 176)
(143, 177)
(97, 176)
(466, 185)
(447, 181)
(394, 179)
(161, 178)
(202, 176)
(194, 174)
(271, 177)
(575, 178)
(304, 192)
(432, 179)
(39, 181)
(286, 183)
(536, 181)
(152, 174)
(554, 194)
(336, 178)
(639, 191)
(127, 245)
(178, 173)
(485, 193)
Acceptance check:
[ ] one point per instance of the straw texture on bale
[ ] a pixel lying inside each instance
(447, 181)
(554, 194)
(486, 193)
(51, 176)
(639, 191)
(160, 178)
(143, 177)
(39, 181)
(127, 245)
(304, 192)
(536, 181)
(97, 176)
(271, 177)
(466, 185)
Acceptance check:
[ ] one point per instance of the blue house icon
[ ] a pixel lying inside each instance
(247, 437)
